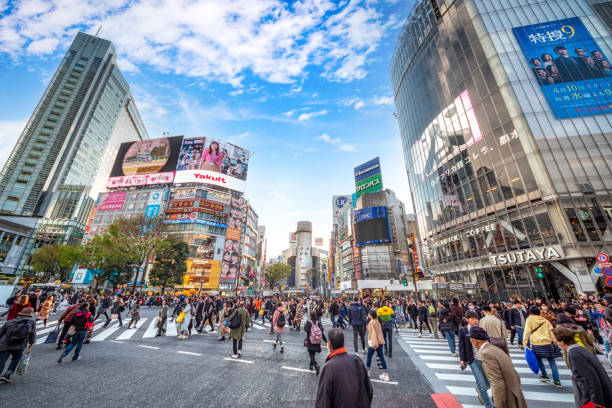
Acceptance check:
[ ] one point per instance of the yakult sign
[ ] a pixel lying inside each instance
(210, 177)
(527, 255)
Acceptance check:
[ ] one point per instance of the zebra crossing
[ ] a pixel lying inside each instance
(437, 362)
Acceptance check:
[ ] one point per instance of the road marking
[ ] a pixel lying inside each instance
(303, 370)
(115, 341)
(171, 329)
(529, 395)
(149, 347)
(189, 353)
(455, 367)
(127, 334)
(269, 341)
(106, 333)
(239, 360)
(432, 351)
(470, 378)
(383, 382)
(446, 401)
(257, 326)
(151, 330)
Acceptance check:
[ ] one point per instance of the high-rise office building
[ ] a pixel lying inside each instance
(504, 111)
(63, 157)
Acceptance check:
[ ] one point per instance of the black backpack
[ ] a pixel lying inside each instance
(280, 322)
(236, 321)
(19, 332)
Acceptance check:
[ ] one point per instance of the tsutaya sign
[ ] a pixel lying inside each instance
(527, 255)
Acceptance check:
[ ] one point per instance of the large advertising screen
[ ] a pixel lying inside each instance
(230, 265)
(569, 65)
(212, 162)
(145, 162)
(368, 178)
(371, 226)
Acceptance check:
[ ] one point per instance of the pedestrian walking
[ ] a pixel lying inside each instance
(209, 315)
(505, 381)
(538, 333)
(105, 304)
(66, 318)
(116, 309)
(81, 321)
(45, 309)
(344, 381)
(134, 313)
(92, 309)
(470, 355)
(315, 335)
(422, 317)
(15, 336)
(495, 328)
(592, 386)
(448, 324)
(518, 317)
(224, 329)
(240, 320)
(18, 306)
(432, 317)
(385, 315)
(376, 342)
(278, 322)
(358, 320)
(182, 326)
(162, 319)
(10, 301)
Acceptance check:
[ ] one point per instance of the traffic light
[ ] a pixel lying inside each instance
(404, 281)
(540, 272)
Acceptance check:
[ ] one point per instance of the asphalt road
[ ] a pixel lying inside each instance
(123, 368)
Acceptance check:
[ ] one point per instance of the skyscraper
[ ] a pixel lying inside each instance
(64, 155)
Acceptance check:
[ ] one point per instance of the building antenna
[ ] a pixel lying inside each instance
(98, 32)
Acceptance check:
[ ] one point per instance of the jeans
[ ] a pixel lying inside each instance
(341, 322)
(394, 320)
(553, 368)
(76, 343)
(15, 358)
(237, 344)
(359, 331)
(450, 338)
(381, 356)
(279, 338)
(333, 320)
(519, 331)
(481, 382)
(387, 332)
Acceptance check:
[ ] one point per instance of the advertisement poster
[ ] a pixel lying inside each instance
(190, 157)
(569, 65)
(112, 201)
(230, 265)
(368, 178)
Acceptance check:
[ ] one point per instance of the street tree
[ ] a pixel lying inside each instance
(169, 267)
(57, 261)
(276, 273)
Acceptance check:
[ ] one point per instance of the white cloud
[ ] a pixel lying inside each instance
(236, 92)
(126, 65)
(219, 41)
(309, 115)
(10, 130)
(340, 145)
(382, 100)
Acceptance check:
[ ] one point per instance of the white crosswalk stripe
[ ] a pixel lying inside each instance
(436, 357)
(127, 334)
(151, 330)
(171, 328)
(106, 332)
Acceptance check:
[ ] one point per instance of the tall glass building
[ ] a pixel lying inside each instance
(504, 114)
(63, 157)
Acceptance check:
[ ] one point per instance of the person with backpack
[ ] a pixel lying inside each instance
(15, 336)
(239, 321)
(82, 321)
(432, 317)
(385, 315)
(357, 318)
(116, 311)
(315, 335)
(278, 323)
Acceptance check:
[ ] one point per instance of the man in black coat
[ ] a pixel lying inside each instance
(344, 381)
(15, 336)
(358, 319)
(590, 380)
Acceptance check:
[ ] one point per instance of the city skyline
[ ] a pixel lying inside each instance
(333, 104)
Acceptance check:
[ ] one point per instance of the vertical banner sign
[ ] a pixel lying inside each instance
(231, 254)
(572, 70)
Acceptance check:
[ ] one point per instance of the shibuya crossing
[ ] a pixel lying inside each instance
(511, 180)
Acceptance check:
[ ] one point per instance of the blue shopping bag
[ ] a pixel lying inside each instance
(52, 337)
(532, 360)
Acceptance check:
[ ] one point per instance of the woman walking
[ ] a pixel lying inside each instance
(225, 314)
(81, 322)
(162, 319)
(182, 327)
(134, 313)
(45, 309)
(17, 307)
(278, 323)
(314, 336)
(376, 344)
(538, 332)
(92, 309)
(116, 310)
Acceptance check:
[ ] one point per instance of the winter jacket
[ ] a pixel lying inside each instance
(4, 330)
(591, 382)
(447, 320)
(357, 315)
(422, 313)
(538, 331)
(67, 315)
(466, 352)
(15, 309)
(344, 383)
(385, 315)
(238, 333)
(375, 336)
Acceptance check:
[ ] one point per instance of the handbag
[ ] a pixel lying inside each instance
(52, 337)
(71, 331)
(23, 364)
(114, 316)
(180, 317)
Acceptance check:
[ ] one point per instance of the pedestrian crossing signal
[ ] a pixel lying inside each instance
(540, 272)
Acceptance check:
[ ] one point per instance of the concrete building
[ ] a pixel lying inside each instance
(60, 162)
(508, 158)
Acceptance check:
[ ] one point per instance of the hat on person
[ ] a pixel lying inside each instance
(478, 333)
(26, 311)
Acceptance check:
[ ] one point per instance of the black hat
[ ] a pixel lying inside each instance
(478, 333)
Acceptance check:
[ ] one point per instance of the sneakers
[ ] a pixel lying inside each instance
(420, 335)
(234, 356)
(6, 378)
(544, 378)
(239, 354)
(558, 384)
(282, 350)
(317, 368)
(478, 395)
(59, 360)
(274, 346)
(384, 377)
(363, 351)
(454, 354)
(76, 359)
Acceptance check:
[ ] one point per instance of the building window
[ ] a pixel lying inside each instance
(575, 223)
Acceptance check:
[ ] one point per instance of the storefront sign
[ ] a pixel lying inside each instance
(482, 229)
(455, 286)
(140, 180)
(527, 255)
(211, 205)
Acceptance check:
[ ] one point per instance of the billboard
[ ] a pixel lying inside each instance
(230, 265)
(371, 226)
(340, 203)
(212, 162)
(145, 162)
(112, 201)
(318, 242)
(368, 178)
(569, 65)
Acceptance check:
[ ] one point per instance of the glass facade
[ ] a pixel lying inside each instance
(492, 170)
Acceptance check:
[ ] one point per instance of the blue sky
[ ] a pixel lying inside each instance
(304, 85)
